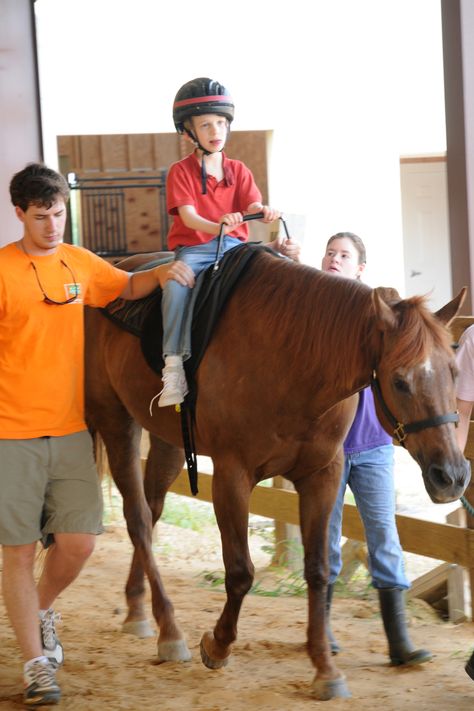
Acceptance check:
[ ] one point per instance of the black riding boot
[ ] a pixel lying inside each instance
(400, 647)
(335, 648)
(470, 666)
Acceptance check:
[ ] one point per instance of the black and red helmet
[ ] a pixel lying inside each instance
(201, 96)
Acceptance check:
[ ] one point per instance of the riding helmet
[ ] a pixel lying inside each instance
(201, 96)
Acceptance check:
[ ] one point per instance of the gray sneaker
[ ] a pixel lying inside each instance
(41, 688)
(175, 386)
(52, 647)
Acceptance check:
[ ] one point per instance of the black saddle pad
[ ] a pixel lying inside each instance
(143, 316)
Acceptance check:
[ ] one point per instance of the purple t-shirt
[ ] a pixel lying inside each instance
(366, 431)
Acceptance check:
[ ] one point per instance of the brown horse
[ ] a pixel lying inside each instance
(290, 348)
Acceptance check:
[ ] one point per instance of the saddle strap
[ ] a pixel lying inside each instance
(187, 427)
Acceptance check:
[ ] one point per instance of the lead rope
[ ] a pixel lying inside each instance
(469, 508)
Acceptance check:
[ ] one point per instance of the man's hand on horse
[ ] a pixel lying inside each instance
(179, 271)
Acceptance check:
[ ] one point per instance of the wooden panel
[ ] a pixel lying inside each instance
(140, 152)
(166, 148)
(412, 160)
(459, 324)
(251, 148)
(142, 220)
(67, 153)
(441, 541)
(114, 151)
(89, 155)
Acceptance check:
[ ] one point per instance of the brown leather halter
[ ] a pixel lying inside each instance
(400, 430)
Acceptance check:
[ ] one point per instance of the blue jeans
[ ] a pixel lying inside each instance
(370, 477)
(176, 298)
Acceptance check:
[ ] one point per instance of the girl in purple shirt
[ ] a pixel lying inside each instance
(368, 470)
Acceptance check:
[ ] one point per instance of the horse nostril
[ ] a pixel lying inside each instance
(439, 477)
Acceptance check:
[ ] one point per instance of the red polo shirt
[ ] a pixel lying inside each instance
(234, 193)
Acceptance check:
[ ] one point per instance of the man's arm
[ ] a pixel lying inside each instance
(143, 283)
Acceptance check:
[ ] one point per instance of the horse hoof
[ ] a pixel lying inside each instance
(139, 628)
(175, 651)
(325, 689)
(208, 661)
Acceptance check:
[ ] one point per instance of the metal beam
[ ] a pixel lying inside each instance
(458, 53)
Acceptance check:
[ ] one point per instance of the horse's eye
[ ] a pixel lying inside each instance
(401, 385)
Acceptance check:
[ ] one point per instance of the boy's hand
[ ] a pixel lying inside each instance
(270, 214)
(232, 219)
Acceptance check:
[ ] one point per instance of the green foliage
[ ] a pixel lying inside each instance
(276, 583)
(359, 586)
(113, 511)
(462, 654)
(186, 513)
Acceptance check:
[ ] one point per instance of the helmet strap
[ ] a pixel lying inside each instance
(203, 176)
(204, 154)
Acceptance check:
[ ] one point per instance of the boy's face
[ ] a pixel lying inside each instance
(43, 227)
(211, 131)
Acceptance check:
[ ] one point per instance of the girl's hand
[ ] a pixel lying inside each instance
(290, 248)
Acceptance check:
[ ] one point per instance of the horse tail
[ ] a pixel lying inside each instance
(100, 454)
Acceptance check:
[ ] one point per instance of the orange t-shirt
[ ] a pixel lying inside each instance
(42, 345)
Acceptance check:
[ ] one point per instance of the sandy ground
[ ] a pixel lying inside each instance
(269, 669)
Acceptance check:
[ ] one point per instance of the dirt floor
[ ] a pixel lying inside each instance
(269, 669)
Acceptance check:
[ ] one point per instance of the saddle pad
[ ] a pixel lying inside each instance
(130, 315)
(211, 292)
(143, 316)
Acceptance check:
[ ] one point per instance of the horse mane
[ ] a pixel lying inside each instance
(419, 332)
(314, 315)
(299, 306)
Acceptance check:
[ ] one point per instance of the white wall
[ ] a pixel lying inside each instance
(347, 87)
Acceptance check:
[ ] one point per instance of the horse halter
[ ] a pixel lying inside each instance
(400, 431)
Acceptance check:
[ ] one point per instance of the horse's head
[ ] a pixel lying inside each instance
(415, 391)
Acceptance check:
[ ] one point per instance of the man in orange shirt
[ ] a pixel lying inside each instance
(49, 488)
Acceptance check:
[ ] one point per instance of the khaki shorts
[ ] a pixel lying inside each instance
(48, 485)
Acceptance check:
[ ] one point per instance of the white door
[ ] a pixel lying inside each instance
(426, 230)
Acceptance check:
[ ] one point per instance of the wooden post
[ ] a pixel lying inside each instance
(288, 546)
(469, 496)
(456, 576)
(354, 554)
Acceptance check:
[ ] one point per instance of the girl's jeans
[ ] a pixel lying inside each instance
(370, 477)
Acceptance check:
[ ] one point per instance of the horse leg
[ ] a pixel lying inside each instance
(230, 492)
(164, 463)
(122, 440)
(317, 493)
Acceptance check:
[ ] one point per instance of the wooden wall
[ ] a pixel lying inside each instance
(144, 155)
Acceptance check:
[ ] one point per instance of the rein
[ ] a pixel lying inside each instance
(400, 430)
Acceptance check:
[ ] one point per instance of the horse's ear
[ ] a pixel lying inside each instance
(449, 311)
(382, 298)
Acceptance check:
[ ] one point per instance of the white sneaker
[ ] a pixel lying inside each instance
(41, 688)
(175, 386)
(52, 647)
